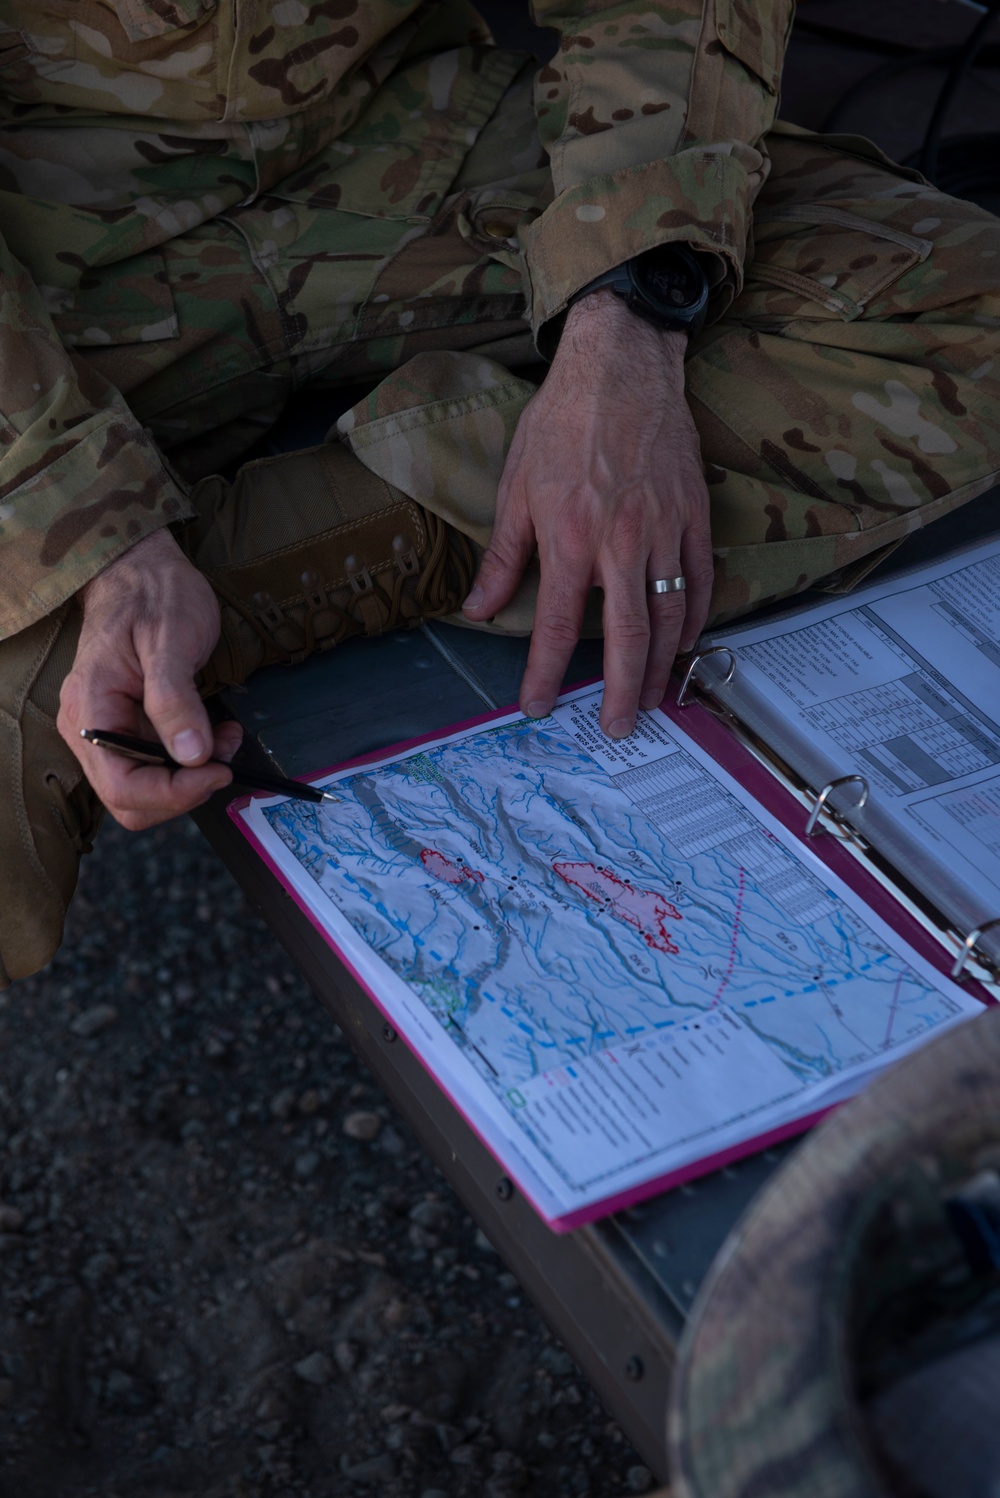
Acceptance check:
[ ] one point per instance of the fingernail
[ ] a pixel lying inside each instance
(188, 745)
(650, 700)
(537, 709)
(621, 728)
(475, 599)
(688, 646)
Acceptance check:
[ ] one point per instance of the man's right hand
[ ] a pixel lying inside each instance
(150, 622)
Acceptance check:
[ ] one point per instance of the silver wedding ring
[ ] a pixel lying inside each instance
(666, 585)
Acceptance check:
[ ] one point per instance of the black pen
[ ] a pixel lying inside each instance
(155, 754)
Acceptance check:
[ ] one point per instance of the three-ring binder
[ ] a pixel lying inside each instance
(968, 947)
(695, 661)
(819, 805)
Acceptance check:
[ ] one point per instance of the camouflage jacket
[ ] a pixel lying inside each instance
(126, 122)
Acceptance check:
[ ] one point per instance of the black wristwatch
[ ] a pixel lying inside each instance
(666, 285)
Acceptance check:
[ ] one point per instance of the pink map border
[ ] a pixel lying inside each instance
(726, 750)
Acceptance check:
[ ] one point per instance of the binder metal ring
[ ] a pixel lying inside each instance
(968, 947)
(821, 800)
(696, 661)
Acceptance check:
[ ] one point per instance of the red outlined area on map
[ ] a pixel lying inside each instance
(645, 909)
(445, 868)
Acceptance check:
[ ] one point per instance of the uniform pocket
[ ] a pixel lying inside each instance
(755, 34)
(128, 302)
(839, 262)
(401, 157)
(14, 55)
(142, 19)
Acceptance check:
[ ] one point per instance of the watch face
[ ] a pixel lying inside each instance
(670, 279)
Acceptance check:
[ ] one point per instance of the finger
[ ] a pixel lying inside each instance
(698, 566)
(511, 548)
(562, 597)
(627, 635)
(174, 708)
(140, 796)
(227, 738)
(136, 795)
(667, 622)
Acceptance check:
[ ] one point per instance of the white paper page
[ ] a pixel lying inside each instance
(610, 957)
(901, 683)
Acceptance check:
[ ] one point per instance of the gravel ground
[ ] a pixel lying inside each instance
(226, 1266)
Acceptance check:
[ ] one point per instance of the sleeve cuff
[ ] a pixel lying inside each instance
(700, 197)
(62, 521)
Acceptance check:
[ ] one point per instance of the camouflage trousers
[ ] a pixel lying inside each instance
(848, 395)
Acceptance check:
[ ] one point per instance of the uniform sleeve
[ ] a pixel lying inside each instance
(653, 115)
(80, 479)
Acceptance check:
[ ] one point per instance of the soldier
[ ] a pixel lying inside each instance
(206, 205)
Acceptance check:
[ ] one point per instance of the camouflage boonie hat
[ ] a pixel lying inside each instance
(846, 1343)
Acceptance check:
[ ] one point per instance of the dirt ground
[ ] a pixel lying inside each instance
(226, 1267)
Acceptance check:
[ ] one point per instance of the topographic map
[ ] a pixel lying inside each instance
(579, 916)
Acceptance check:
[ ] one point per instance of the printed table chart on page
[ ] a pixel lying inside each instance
(626, 962)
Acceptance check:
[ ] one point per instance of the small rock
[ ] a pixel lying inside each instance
(546, 1440)
(430, 1215)
(193, 1128)
(98, 1269)
(310, 1101)
(92, 1021)
(314, 1369)
(118, 1385)
(6, 1390)
(362, 1125)
(505, 1464)
(11, 1220)
(420, 1238)
(375, 1469)
(434, 1493)
(390, 1413)
(483, 1243)
(449, 1436)
(308, 1164)
(638, 1479)
(346, 1355)
(283, 1103)
(269, 1432)
(556, 1361)
(272, 1407)
(464, 1456)
(392, 1142)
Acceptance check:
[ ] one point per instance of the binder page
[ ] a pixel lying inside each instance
(899, 683)
(613, 959)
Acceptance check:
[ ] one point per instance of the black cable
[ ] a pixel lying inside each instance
(959, 72)
(966, 166)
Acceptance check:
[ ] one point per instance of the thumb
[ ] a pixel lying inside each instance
(176, 711)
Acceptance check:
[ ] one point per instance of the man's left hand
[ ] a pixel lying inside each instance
(604, 477)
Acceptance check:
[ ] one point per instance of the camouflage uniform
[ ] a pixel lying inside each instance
(205, 204)
(846, 1341)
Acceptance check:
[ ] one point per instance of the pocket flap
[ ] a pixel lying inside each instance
(754, 36)
(129, 302)
(838, 259)
(142, 19)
